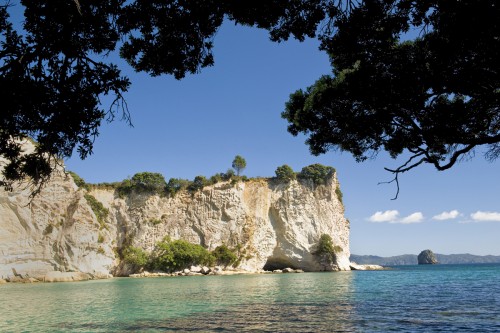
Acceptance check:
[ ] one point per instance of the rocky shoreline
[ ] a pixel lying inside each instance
(57, 276)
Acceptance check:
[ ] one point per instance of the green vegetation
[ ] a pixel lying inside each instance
(325, 250)
(99, 210)
(78, 180)
(285, 173)
(155, 221)
(317, 173)
(174, 255)
(154, 183)
(339, 194)
(175, 185)
(239, 164)
(198, 183)
(100, 250)
(224, 256)
(145, 182)
(135, 256)
(100, 238)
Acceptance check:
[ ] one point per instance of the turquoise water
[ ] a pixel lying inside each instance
(440, 298)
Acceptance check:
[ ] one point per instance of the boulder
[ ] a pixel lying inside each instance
(427, 257)
(195, 269)
(288, 270)
(2, 281)
(205, 270)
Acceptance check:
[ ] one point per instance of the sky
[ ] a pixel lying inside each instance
(196, 126)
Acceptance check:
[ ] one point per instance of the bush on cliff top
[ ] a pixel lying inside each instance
(318, 173)
(285, 173)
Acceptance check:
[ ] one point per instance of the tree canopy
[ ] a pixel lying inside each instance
(239, 164)
(419, 78)
(414, 77)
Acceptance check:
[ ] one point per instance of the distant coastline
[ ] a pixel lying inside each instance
(411, 259)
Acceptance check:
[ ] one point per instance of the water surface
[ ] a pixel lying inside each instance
(438, 298)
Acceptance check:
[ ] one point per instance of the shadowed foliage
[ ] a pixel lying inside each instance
(414, 78)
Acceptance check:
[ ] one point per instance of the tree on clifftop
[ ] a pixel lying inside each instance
(415, 77)
(239, 164)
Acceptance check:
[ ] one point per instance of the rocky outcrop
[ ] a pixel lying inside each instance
(427, 257)
(274, 223)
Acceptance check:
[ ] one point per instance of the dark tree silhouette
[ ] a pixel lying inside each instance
(434, 96)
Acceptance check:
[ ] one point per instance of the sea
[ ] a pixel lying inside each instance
(430, 298)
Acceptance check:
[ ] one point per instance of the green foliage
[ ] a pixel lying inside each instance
(99, 210)
(285, 173)
(224, 256)
(325, 250)
(148, 182)
(239, 164)
(155, 221)
(339, 194)
(198, 183)
(100, 238)
(318, 173)
(78, 180)
(100, 250)
(174, 255)
(175, 185)
(417, 97)
(434, 96)
(135, 256)
(229, 174)
(124, 188)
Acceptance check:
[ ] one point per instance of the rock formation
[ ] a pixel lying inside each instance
(427, 257)
(275, 223)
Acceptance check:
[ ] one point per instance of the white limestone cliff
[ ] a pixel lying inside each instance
(278, 224)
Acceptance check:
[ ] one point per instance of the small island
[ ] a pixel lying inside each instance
(427, 257)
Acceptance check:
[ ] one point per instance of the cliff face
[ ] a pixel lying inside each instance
(277, 224)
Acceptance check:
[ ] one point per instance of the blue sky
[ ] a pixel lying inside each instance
(196, 126)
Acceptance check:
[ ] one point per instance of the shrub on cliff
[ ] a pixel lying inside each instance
(150, 182)
(317, 173)
(198, 183)
(136, 257)
(285, 173)
(174, 255)
(224, 255)
(175, 185)
(99, 210)
(78, 180)
(325, 250)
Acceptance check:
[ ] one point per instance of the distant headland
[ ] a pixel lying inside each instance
(411, 259)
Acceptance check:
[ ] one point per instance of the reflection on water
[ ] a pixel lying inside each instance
(464, 299)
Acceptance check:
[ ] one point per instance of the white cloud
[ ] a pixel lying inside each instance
(447, 215)
(413, 218)
(480, 216)
(387, 216)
